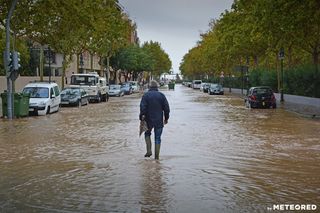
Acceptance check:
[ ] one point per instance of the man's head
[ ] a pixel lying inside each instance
(153, 84)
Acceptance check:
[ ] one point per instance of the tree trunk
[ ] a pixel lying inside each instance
(255, 61)
(78, 58)
(41, 63)
(290, 56)
(315, 55)
(63, 71)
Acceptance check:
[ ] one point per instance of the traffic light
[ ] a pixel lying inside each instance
(9, 61)
(16, 60)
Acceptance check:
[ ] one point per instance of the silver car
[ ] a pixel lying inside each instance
(215, 89)
(116, 90)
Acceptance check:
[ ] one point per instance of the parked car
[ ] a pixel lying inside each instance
(74, 96)
(116, 90)
(44, 97)
(201, 87)
(260, 97)
(127, 88)
(196, 84)
(95, 86)
(134, 85)
(215, 89)
(205, 87)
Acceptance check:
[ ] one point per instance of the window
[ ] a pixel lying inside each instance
(37, 92)
(56, 91)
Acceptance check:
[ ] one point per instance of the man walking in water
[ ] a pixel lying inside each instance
(154, 109)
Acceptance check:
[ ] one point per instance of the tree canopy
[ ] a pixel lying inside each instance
(150, 57)
(69, 27)
(252, 33)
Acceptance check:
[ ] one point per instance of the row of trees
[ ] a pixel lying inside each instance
(135, 59)
(68, 27)
(252, 33)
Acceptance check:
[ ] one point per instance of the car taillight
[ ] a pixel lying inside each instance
(253, 97)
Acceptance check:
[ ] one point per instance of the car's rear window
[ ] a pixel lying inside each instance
(262, 91)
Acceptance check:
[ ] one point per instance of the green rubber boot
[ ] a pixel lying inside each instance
(157, 151)
(148, 145)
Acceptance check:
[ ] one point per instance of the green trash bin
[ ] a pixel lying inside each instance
(20, 107)
(171, 86)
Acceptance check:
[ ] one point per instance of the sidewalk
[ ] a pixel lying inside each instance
(304, 106)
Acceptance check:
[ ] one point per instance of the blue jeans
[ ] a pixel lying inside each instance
(157, 134)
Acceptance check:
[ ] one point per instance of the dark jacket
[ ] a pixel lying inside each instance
(154, 106)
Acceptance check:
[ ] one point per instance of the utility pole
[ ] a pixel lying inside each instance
(9, 71)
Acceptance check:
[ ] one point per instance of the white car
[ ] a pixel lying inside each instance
(44, 97)
(196, 84)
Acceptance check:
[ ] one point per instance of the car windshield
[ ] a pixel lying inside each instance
(214, 85)
(70, 91)
(83, 80)
(37, 92)
(114, 87)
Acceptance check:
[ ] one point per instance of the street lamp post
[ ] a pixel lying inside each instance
(9, 72)
(281, 57)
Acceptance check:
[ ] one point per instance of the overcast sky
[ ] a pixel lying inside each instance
(176, 24)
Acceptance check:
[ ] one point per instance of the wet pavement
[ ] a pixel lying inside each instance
(216, 156)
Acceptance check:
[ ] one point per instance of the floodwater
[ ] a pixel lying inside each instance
(216, 156)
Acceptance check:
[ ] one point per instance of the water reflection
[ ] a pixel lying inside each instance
(154, 188)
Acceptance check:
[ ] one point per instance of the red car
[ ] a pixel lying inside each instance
(260, 97)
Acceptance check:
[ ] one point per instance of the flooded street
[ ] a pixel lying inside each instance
(216, 156)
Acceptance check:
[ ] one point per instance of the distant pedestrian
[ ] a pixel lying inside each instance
(154, 108)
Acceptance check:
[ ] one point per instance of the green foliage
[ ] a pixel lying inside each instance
(70, 27)
(160, 58)
(302, 80)
(132, 58)
(150, 57)
(21, 47)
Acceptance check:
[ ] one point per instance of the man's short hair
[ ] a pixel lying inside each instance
(153, 84)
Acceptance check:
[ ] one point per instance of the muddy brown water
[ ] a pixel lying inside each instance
(216, 156)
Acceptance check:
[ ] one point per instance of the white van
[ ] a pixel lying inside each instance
(44, 97)
(196, 84)
(95, 86)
